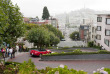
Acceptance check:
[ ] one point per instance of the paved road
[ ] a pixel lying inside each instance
(88, 66)
(71, 43)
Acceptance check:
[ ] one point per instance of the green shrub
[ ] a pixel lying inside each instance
(103, 51)
(77, 51)
(66, 47)
(102, 71)
(107, 70)
(14, 63)
(50, 48)
(65, 70)
(90, 44)
(27, 67)
(8, 69)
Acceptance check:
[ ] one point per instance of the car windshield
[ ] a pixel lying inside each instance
(39, 49)
(36, 49)
(42, 50)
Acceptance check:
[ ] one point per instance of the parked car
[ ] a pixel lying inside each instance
(39, 52)
(63, 40)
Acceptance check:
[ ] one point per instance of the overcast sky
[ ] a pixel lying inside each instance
(33, 8)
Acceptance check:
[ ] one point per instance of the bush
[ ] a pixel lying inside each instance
(103, 51)
(66, 47)
(27, 67)
(77, 51)
(107, 70)
(102, 71)
(14, 63)
(90, 44)
(50, 48)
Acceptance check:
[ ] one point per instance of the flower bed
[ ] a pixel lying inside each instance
(29, 68)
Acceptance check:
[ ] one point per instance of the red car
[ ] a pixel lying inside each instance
(39, 52)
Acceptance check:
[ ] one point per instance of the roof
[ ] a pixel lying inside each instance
(26, 19)
(103, 14)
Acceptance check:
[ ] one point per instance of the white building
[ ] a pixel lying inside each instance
(103, 31)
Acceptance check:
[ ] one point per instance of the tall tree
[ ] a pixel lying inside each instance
(45, 13)
(74, 35)
(11, 22)
(39, 36)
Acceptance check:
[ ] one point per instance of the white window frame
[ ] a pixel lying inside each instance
(108, 21)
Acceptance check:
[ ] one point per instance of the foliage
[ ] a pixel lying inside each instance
(90, 44)
(66, 47)
(74, 35)
(78, 52)
(64, 70)
(29, 26)
(107, 70)
(8, 69)
(11, 22)
(14, 63)
(53, 39)
(46, 14)
(103, 51)
(49, 47)
(39, 36)
(102, 71)
(57, 32)
(43, 36)
(27, 67)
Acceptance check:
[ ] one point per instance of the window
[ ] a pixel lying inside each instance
(85, 27)
(92, 29)
(85, 33)
(99, 19)
(106, 42)
(107, 32)
(98, 28)
(92, 36)
(108, 21)
(98, 37)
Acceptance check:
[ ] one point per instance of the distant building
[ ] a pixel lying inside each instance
(54, 22)
(103, 31)
(34, 20)
(83, 32)
(26, 20)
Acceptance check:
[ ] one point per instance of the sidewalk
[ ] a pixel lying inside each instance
(16, 54)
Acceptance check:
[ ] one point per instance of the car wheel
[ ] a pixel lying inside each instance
(40, 55)
(32, 54)
(49, 52)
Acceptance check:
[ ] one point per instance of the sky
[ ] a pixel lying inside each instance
(33, 8)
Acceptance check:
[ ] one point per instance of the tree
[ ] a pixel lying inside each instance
(39, 36)
(46, 14)
(57, 32)
(74, 35)
(11, 22)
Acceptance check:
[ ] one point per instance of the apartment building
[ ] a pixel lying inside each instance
(103, 31)
(92, 32)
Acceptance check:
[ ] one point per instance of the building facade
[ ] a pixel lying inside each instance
(103, 31)
(83, 32)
